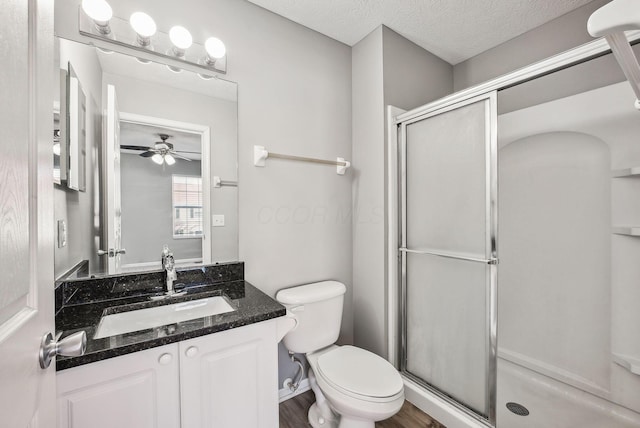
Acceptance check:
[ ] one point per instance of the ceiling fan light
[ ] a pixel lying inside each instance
(157, 158)
(170, 160)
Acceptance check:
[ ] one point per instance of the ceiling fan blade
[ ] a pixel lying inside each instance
(147, 154)
(184, 151)
(174, 154)
(127, 147)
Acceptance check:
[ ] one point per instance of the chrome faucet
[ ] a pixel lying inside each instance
(169, 266)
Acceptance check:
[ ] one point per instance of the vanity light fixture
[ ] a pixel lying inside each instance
(181, 39)
(144, 26)
(176, 48)
(100, 12)
(215, 50)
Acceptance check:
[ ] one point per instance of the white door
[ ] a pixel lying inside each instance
(27, 392)
(114, 204)
(448, 253)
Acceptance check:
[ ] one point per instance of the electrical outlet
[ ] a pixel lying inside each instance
(217, 220)
(62, 233)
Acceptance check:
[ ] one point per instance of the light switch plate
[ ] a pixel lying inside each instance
(217, 220)
(62, 233)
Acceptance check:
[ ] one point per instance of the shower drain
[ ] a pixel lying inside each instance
(518, 409)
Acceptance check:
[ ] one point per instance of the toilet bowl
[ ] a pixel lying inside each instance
(354, 388)
(360, 386)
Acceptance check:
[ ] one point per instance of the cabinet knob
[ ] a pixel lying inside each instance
(165, 359)
(191, 351)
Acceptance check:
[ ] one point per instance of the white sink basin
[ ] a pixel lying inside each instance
(126, 322)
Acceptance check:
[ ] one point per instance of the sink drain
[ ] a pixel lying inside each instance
(518, 409)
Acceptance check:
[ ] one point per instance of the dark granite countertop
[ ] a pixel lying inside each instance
(83, 304)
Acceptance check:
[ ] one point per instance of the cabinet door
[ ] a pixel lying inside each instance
(138, 390)
(230, 379)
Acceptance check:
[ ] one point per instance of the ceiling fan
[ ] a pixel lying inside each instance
(161, 152)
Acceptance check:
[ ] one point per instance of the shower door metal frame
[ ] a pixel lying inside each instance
(491, 251)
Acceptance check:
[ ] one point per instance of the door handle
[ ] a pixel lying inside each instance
(73, 345)
(111, 252)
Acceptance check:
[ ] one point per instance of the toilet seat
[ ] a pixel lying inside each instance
(359, 374)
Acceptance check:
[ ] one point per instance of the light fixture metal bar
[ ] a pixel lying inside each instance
(123, 36)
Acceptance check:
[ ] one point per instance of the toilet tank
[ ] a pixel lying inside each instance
(318, 310)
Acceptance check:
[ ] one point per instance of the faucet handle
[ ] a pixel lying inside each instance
(166, 252)
(170, 262)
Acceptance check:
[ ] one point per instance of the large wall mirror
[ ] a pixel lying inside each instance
(158, 164)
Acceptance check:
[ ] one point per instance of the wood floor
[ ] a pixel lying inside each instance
(293, 414)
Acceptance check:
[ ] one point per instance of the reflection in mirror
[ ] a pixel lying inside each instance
(59, 122)
(152, 149)
(161, 169)
(76, 132)
(57, 150)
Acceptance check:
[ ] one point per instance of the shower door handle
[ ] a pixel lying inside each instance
(491, 261)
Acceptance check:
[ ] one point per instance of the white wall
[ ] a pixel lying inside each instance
(78, 208)
(554, 278)
(386, 69)
(412, 75)
(147, 209)
(368, 192)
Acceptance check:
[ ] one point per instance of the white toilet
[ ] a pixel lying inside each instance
(353, 387)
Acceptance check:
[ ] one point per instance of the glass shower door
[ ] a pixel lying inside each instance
(448, 252)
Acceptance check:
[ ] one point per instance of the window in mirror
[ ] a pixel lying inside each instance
(187, 206)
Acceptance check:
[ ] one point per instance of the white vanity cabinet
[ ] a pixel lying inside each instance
(221, 380)
(229, 379)
(138, 390)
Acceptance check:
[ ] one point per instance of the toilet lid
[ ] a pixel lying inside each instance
(360, 372)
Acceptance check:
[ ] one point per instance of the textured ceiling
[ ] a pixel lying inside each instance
(454, 30)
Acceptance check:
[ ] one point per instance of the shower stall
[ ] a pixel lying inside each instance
(513, 249)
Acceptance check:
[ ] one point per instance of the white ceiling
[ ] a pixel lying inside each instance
(454, 30)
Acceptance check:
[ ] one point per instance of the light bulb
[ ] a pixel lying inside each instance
(144, 26)
(215, 48)
(181, 39)
(98, 10)
(170, 160)
(56, 149)
(157, 158)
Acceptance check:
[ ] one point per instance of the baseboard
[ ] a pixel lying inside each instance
(286, 393)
